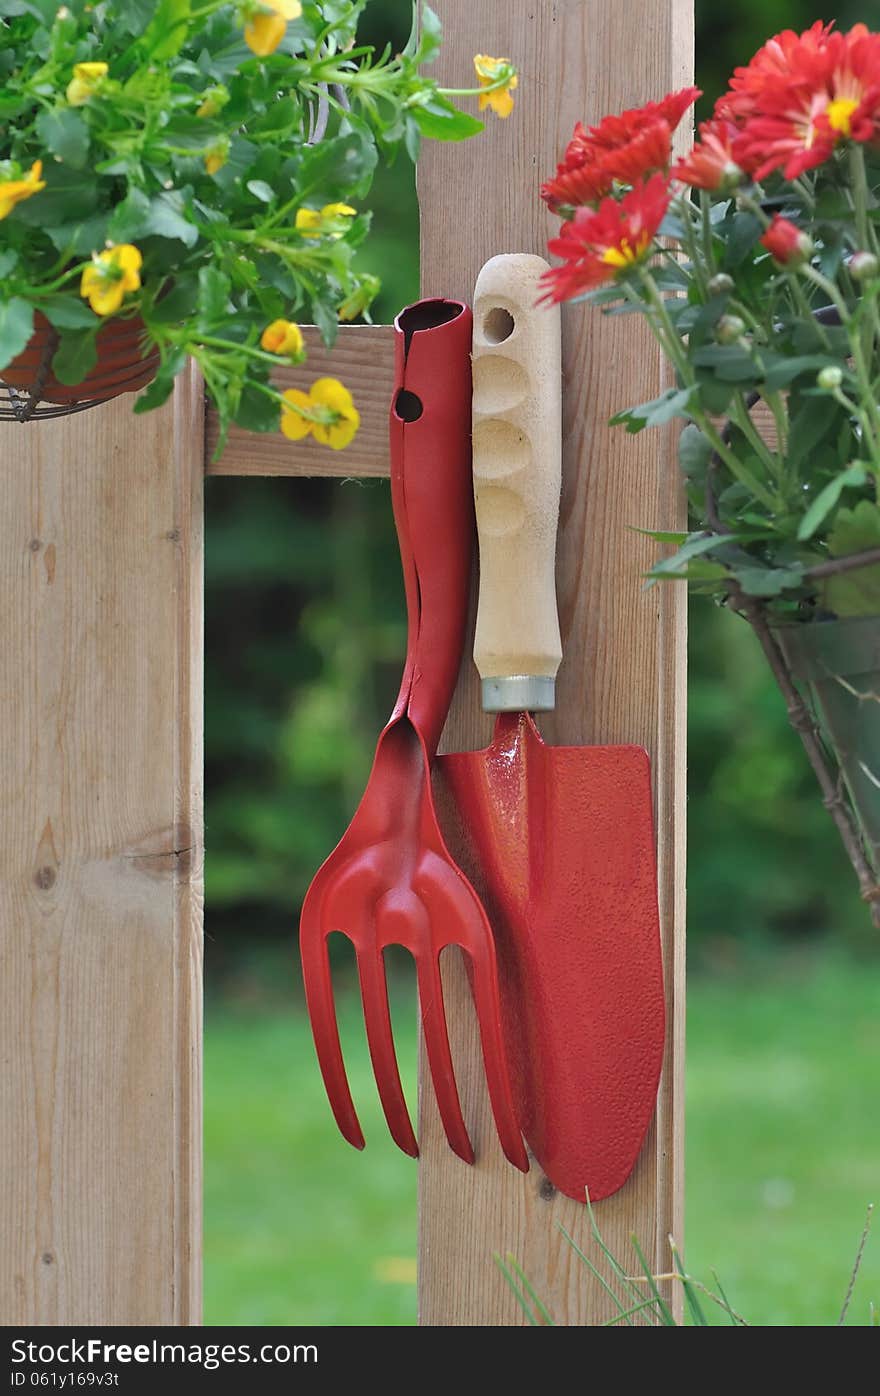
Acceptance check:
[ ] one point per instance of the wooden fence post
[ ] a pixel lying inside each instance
(100, 866)
(623, 674)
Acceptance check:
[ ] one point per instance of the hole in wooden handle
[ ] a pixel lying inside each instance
(498, 325)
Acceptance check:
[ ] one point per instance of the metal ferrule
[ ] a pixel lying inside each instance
(519, 693)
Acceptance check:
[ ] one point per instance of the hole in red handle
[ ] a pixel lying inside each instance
(407, 406)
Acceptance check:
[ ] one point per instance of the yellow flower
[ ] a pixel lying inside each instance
(12, 191)
(490, 71)
(332, 415)
(109, 276)
(310, 222)
(283, 337)
(217, 155)
(265, 29)
(85, 82)
(213, 101)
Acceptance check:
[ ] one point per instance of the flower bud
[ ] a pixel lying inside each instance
(863, 266)
(721, 284)
(788, 244)
(829, 378)
(730, 329)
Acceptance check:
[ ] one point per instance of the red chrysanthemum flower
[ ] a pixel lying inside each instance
(597, 245)
(772, 67)
(710, 164)
(616, 131)
(584, 177)
(622, 149)
(801, 95)
(786, 242)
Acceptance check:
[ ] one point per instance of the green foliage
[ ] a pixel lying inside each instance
(798, 332)
(855, 593)
(167, 126)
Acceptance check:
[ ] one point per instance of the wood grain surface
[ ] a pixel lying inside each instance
(100, 866)
(623, 672)
(363, 358)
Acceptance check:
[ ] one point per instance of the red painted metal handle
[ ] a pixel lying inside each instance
(432, 496)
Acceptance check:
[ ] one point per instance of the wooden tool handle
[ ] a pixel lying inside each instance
(517, 448)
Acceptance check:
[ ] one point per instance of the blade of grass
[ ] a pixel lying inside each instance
(695, 1308)
(663, 1309)
(636, 1308)
(736, 1319)
(597, 1275)
(857, 1266)
(536, 1300)
(616, 1267)
(520, 1297)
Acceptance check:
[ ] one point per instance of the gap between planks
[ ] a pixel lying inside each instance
(363, 358)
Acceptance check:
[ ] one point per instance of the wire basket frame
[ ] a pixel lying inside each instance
(37, 395)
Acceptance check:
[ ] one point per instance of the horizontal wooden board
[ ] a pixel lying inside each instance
(363, 359)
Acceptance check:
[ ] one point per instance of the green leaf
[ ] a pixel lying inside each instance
(730, 363)
(825, 500)
(16, 328)
(162, 385)
(697, 544)
(166, 35)
(261, 190)
(68, 312)
(70, 196)
(324, 316)
(63, 131)
(131, 217)
(75, 356)
(672, 403)
(256, 411)
(179, 303)
(82, 238)
(430, 36)
(855, 593)
(768, 581)
(714, 394)
(342, 166)
(167, 218)
(744, 233)
(214, 287)
(784, 371)
(8, 260)
(694, 452)
(441, 121)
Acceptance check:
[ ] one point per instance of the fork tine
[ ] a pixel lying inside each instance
(433, 1015)
(452, 901)
(325, 1030)
(487, 1000)
(377, 1021)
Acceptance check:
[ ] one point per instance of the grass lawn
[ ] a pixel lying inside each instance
(783, 1156)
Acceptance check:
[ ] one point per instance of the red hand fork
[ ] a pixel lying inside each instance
(391, 879)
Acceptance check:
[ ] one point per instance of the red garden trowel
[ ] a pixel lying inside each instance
(559, 841)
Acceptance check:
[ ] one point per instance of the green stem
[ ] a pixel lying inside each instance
(665, 334)
(250, 350)
(740, 415)
(706, 230)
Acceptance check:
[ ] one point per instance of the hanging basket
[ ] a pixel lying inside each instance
(29, 391)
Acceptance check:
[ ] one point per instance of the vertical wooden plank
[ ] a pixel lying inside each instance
(100, 866)
(623, 675)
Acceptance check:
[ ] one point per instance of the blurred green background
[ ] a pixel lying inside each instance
(304, 638)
